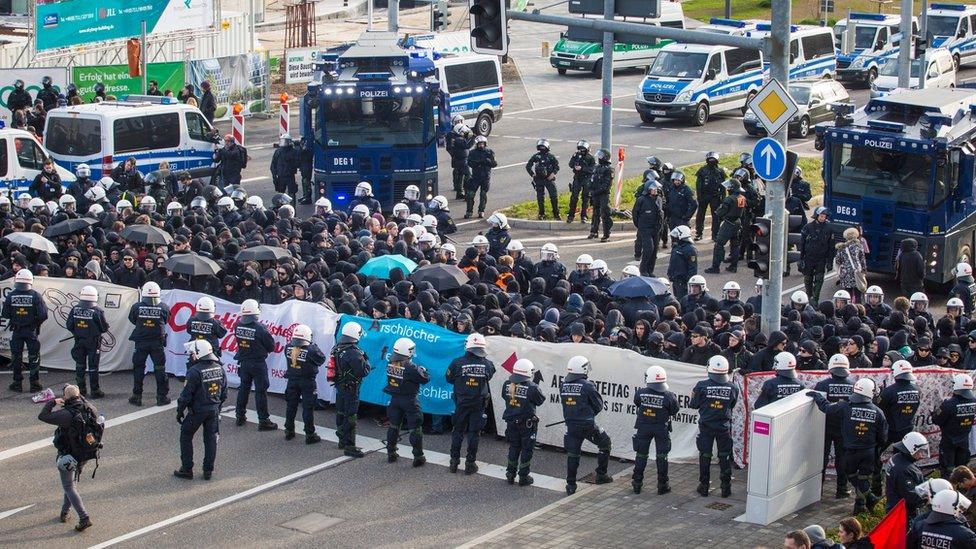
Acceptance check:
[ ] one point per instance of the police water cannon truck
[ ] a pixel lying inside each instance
(373, 112)
(903, 167)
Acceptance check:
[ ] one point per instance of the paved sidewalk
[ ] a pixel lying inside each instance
(612, 515)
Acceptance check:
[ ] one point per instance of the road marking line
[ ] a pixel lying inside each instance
(225, 501)
(600, 108)
(36, 445)
(436, 458)
(510, 165)
(6, 514)
(258, 178)
(534, 109)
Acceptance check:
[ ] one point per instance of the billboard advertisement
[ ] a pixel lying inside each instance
(118, 82)
(235, 79)
(66, 23)
(32, 80)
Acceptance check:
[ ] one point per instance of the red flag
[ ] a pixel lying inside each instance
(890, 532)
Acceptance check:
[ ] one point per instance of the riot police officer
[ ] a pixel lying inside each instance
(521, 395)
(600, 185)
(459, 143)
(305, 159)
(955, 417)
(403, 381)
(543, 167)
(549, 268)
(254, 344)
(48, 95)
(24, 311)
(965, 288)
(783, 384)
(680, 204)
(656, 407)
(364, 195)
(816, 252)
(411, 198)
(469, 374)
(498, 235)
(683, 263)
(481, 160)
(647, 216)
(709, 190)
(797, 203)
(582, 163)
(730, 212)
(900, 401)
(284, 165)
(351, 367)
(863, 428)
(203, 395)
(150, 318)
(581, 403)
(203, 325)
(19, 97)
(86, 322)
(304, 359)
(838, 387)
(902, 474)
(944, 526)
(715, 398)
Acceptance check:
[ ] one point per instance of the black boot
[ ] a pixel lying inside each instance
(289, 434)
(391, 457)
(186, 475)
(35, 387)
(570, 488)
(453, 467)
(267, 425)
(353, 451)
(313, 438)
(663, 488)
(419, 461)
(135, 400)
(637, 486)
(97, 392)
(83, 524)
(525, 480)
(603, 478)
(726, 490)
(702, 489)
(470, 468)
(510, 476)
(162, 400)
(16, 386)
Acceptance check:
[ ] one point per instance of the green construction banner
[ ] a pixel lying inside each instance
(118, 82)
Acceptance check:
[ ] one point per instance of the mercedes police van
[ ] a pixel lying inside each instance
(22, 157)
(474, 85)
(729, 27)
(812, 52)
(150, 129)
(866, 41)
(953, 26)
(694, 81)
(587, 56)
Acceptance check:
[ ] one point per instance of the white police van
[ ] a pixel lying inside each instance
(729, 27)
(812, 52)
(953, 26)
(150, 129)
(474, 85)
(937, 69)
(22, 157)
(866, 41)
(694, 81)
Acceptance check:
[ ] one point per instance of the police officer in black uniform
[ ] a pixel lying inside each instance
(543, 167)
(864, 430)
(731, 213)
(902, 474)
(481, 160)
(955, 417)
(304, 359)
(965, 288)
(899, 402)
(715, 398)
(48, 95)
(838, 387)
(351, 366)
(549, 268)
(305, 160)
(656, 407)
(680, 204)
(797, 203)
(284, 165)
(87, 323)
(203, 325)
(816, 252)
(24, 311)
(470, 374)
(647, 216)
(254, 344)
(522, 395)
(19, 97)
(581, 403)
(683, 263)
(944, 527)
(600, 185)
(582, 163)
(709, 190)
(403, 381)
(149, 317)
(783, 384)
(203, 395)
(459, 143)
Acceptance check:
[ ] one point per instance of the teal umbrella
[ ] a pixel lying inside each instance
(381, 266)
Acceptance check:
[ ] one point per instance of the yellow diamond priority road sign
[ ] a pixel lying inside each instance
(773, 106)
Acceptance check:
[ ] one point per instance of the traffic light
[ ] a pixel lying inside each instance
(795, 225)
(441, 17)
(489, 26)
(758, 258)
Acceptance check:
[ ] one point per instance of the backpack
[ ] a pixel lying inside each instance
(84, 436)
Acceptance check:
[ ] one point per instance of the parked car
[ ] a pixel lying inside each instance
(940, 72)
(813, 97)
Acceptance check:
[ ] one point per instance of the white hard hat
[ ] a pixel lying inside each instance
(842, 294)
(352, 330)
(964, 269)
(800, 297)
(198, 348)
(361, 209)
(838, 361)
(304, 333)
(718, 364)
(950, 502)
(928, 489)
(476, 344)
(205, 305)
(250, 307)
(902, 369)
(784, 361)
(864, 387)
(122, 204)
(404, 347)
(523, 367)
(655, 374)
(584, 259)
(874, 290)
(479, 240)
(960, 382)
(630, 270)
(955, 302)
(515, 246)
(914, 442)
(150, 289)
(24, 276)
(919, 296)
(88, 293)
(578, 365)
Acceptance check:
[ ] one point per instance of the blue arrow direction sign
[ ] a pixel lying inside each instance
(769, 158)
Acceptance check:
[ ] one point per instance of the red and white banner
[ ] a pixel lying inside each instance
(280, 320)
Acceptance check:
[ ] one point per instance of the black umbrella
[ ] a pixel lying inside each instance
(262, 253)
(638, 286)
(146, 234)
(192, 265)
(441, 276)
(69, 226)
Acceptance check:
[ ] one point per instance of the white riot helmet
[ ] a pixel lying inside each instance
(523, 367)
(656, 377)
(150, 290)
(731, 286)
(863, 390)
(250, 307)
(963, 269)
(718, 364)
(95, 194)
(412, 192)
(23, 200)
(414, 220)
(226, 204)
(457, 119)
(759, 285)
(449, 250)
(950, 502)
(440, 202)
(583, 262)
(83, 170)
(499, 220)
(352, 331)
(784, 361)
(5, 202)
(52, 207)
(95, 210)
(514, 246)
(360, 209)
(919, 297)
(302, 332)
(286, 212)
(914, 441)
(25, 277)
(698, 280)
(578, 365)
(147, 204)
(480, 140)
(955, 302)
(429, 222)
(874, 292)
(121, 205)
(583, 144)
(800, 297)
(323, 206)
(928, 489)
(255, 202)
(476, 344)
(902, 369)
(427, 238)
(681, 232)
(962, 385)
(88, 293)
(206, 305)
(174, 208)
(363, 188)
(841, 296)
(600, 266)
(404, 349)
(65, 201)
(549, 252)
(839, 365)
(36, 204)
(480, 243)
(629, 271)
(198, 348)
(106, 183)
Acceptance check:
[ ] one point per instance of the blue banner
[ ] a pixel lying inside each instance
(436, 348)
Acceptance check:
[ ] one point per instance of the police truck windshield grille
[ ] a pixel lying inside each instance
(862, 172)
(942, 26)
(374, 121)
(678, 64)
(864, 37)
